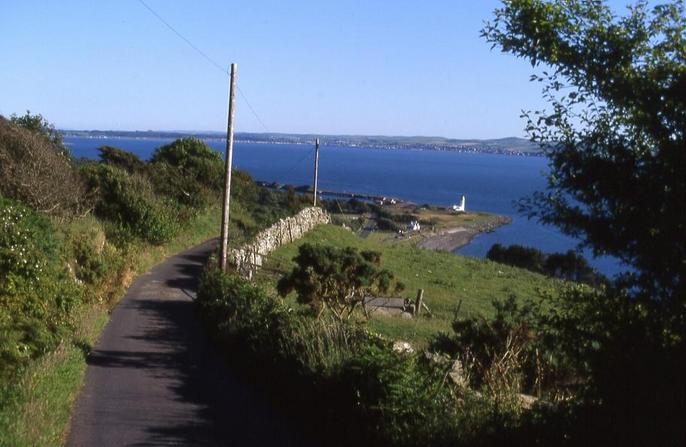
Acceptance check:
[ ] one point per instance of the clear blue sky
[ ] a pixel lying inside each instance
(346, 67)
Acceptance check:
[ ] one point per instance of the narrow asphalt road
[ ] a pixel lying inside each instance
(155, 379)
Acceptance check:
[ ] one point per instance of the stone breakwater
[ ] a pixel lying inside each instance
(248, 258)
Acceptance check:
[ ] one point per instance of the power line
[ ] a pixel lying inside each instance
(206, 57)
(245, 98)
(297, 164)
(198, 50)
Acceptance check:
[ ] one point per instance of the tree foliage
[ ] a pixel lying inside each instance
(128, 161)
(39, 125)
(614, 133)
(338, 279)
(188, 171)
(615, 128)
(130, 202)
(194, 159)
(36, 171)
(569, 265)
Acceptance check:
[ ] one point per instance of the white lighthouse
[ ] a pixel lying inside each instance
(461, 208)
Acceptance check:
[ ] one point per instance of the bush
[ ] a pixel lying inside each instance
(517, 256)
(335, 279)
(125, 160)
(171, 182)
(194, 159)
(573, 267)
(354, 206)
(348, 384)
(508, 354)
(265, 205)
(129, 201)
(385, 224)
(629, 361)
(39, 125)
(35, 171)
(570, 265)
(402, 399)
(188, 171)
(37, 293)
(91, 256)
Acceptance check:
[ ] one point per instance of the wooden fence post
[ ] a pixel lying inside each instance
(418, 302)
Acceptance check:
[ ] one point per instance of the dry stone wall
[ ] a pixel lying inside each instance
(249, 257)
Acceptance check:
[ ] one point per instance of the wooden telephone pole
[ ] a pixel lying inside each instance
(316, 170)
(227, 175)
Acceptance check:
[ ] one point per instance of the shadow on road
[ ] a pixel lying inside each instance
(188, 396)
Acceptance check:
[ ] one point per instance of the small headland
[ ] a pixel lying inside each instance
(442, 229)
(432, 227)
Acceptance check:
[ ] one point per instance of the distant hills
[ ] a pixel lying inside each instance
(509, 146)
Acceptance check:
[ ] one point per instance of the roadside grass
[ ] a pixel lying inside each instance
(35, 408)
(450, 282)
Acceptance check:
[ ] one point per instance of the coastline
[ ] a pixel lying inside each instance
(451, 239)
(510, 146)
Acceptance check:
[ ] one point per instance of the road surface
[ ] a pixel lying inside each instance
(155, 379)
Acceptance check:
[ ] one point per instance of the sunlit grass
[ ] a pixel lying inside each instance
(450, 282)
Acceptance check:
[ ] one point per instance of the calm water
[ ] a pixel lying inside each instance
(490, 182)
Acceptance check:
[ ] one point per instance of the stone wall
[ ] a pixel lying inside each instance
(249, 257)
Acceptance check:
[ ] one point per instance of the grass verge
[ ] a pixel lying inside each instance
(36, 407)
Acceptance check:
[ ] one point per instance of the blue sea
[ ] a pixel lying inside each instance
(490, 182)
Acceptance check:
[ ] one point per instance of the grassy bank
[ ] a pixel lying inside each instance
(449, 282)
(36, 406)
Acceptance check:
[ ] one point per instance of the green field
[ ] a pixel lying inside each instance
(449, 281)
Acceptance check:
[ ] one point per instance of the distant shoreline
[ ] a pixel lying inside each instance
(504, 146)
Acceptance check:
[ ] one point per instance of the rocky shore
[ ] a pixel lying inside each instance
(451, 239)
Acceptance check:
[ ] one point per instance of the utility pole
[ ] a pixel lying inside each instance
(227, 175)
(316, 170)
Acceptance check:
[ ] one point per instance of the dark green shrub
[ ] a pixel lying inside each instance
(195, 159)
(517, 256)
(129, 201)
(385, 224)
(171, 182)
(128, 161)
(353, 206)
(188, 171)
(573, 267)
(405, 218)
(265, 205)
(335, 279)
(627, 357)
(403, 399)
(231, 305)
(570, 265)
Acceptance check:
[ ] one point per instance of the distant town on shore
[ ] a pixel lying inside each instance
(507, 146)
